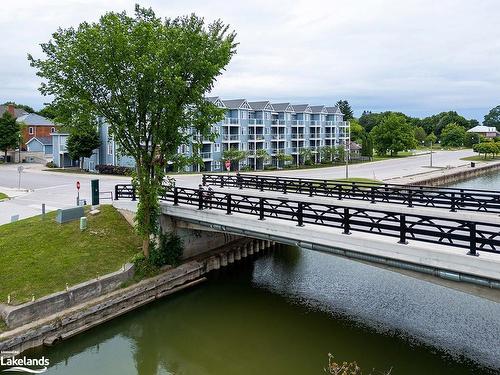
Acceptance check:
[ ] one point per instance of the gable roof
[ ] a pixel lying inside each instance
(302, 108)
(334, 110)
(237, 104)
(264, 105)
(482, 129)
(33, 119)
(46, 141)
(18, 112)
(318, 109)
(283, 107)
(216, 101)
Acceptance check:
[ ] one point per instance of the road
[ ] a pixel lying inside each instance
(58, 190)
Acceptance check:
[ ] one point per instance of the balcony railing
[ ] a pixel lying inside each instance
(230, 137)
(298, 122)
(278, 136)
(278, 122)
(206, 155)
(255, 121)
(256, 137)
(231, 121)
(298, 136)
(275, 151)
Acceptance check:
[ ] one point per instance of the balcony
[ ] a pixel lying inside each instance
(255, 137)
(231, 121)
(315, 123)
(201, 139)
(256, 122)
(298, 122)
(277, 137)
(315, 136)
(298, 136)
(206, 155)
(275, 151)
(278, 122)
(230, 137)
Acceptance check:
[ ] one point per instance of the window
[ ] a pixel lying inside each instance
(110, 148)
(52, 130)
(244, 114)
(217, 165)
(216, 147)
(268, 115)
(31, 130)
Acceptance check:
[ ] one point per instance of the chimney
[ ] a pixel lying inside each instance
(12, 110)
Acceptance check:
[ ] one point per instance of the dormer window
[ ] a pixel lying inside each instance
(52, 130)
(31, 130)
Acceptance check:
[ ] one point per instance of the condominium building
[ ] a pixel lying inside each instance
(277, 128)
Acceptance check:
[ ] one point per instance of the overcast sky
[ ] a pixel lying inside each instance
(416, 56)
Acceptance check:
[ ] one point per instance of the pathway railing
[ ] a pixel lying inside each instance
(450, 198)
(471, 235)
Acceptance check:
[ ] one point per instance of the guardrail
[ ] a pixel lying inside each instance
(457, 233)
(450, 198)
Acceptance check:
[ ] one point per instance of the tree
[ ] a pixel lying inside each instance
(420, 134)
(262, 154)
(346, 110)
(49, 111)
(283, 158)
(234, 156)
(357, 131)
(436, 123)
(327, 153)
(81, 143)
(453, 135)
(306, 156)
(492, 118)
(367, 146)
(430, 139)
(486, 148)
(24, 107)
(9, 133)
(147, 78)
(393, 134)
(471, 139)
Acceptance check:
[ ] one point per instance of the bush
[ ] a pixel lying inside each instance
(143, 267)
(51, 164)
(270, 167)
(113, 169)
(168, 251)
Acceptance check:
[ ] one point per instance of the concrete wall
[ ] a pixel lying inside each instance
(454, 175)
(196, 241)
(15, 316)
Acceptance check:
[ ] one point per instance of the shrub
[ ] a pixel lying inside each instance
(143, 267)
(270, 167)
(51, 164)
(167, 251)
(114, 169)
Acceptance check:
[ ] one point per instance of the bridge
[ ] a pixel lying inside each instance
(430, 230)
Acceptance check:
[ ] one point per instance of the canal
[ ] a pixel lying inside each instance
(284, 312)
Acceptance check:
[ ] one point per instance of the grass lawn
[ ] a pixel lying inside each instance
(358, 179)
(3, 196)
(480, 158)
(40, 257)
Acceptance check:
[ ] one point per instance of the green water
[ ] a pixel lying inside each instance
(282, 314)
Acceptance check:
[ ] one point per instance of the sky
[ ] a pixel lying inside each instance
(419, 57)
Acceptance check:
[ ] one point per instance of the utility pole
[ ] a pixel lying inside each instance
(431, 154)
(347, 152)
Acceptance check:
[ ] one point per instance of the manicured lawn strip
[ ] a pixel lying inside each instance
(480, 158)
(40, 257)
(3, 196)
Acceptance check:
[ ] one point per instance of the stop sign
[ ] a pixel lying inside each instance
(228, 164)
(78, 185)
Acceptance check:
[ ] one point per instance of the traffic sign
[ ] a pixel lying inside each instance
(228, 165)
(78, 185)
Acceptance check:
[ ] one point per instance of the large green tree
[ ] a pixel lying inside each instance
(453, 135)
(147, 77)
(492, 118)
(346, 110)
(82, 143)
(392, 135)
(9, 133)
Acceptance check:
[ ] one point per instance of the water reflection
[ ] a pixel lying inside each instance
(283, 313)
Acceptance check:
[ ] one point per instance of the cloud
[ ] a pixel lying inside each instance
(416, 56)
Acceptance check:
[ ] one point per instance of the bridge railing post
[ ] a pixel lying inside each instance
(133, 193)
(340, 192)
(472, 240)
(410, 198)
(204, 180)
(402, 229)
(261, 208)
(453, 203)
(228, 204)
(462, 197)
(347, 221)
(261, 184)
(239, 181)
(176, 196)
(284, 186)
(372, 195)
(221, 181)
(116, 192)
(311, 186)
(300, 214)
(200, 199)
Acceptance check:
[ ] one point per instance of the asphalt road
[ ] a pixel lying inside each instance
(58, 190)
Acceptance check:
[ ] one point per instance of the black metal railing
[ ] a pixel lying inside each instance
(450, 198)
(471, 235)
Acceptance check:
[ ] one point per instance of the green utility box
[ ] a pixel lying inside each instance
(95, 192)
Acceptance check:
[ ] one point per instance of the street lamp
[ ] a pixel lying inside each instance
(431, 153)
(347, 152)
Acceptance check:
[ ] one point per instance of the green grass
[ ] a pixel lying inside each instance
(3, 196)
(40, 257)
(359, 179)
(480, 158)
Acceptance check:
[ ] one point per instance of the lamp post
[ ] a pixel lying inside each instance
(347, 152)
(431, 154)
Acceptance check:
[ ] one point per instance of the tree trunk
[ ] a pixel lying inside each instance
(145, 247)
(5, 157)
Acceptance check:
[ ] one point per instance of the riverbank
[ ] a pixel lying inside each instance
(444, 176)
(72, 321)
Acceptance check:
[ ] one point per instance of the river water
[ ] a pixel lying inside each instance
(284, 312)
